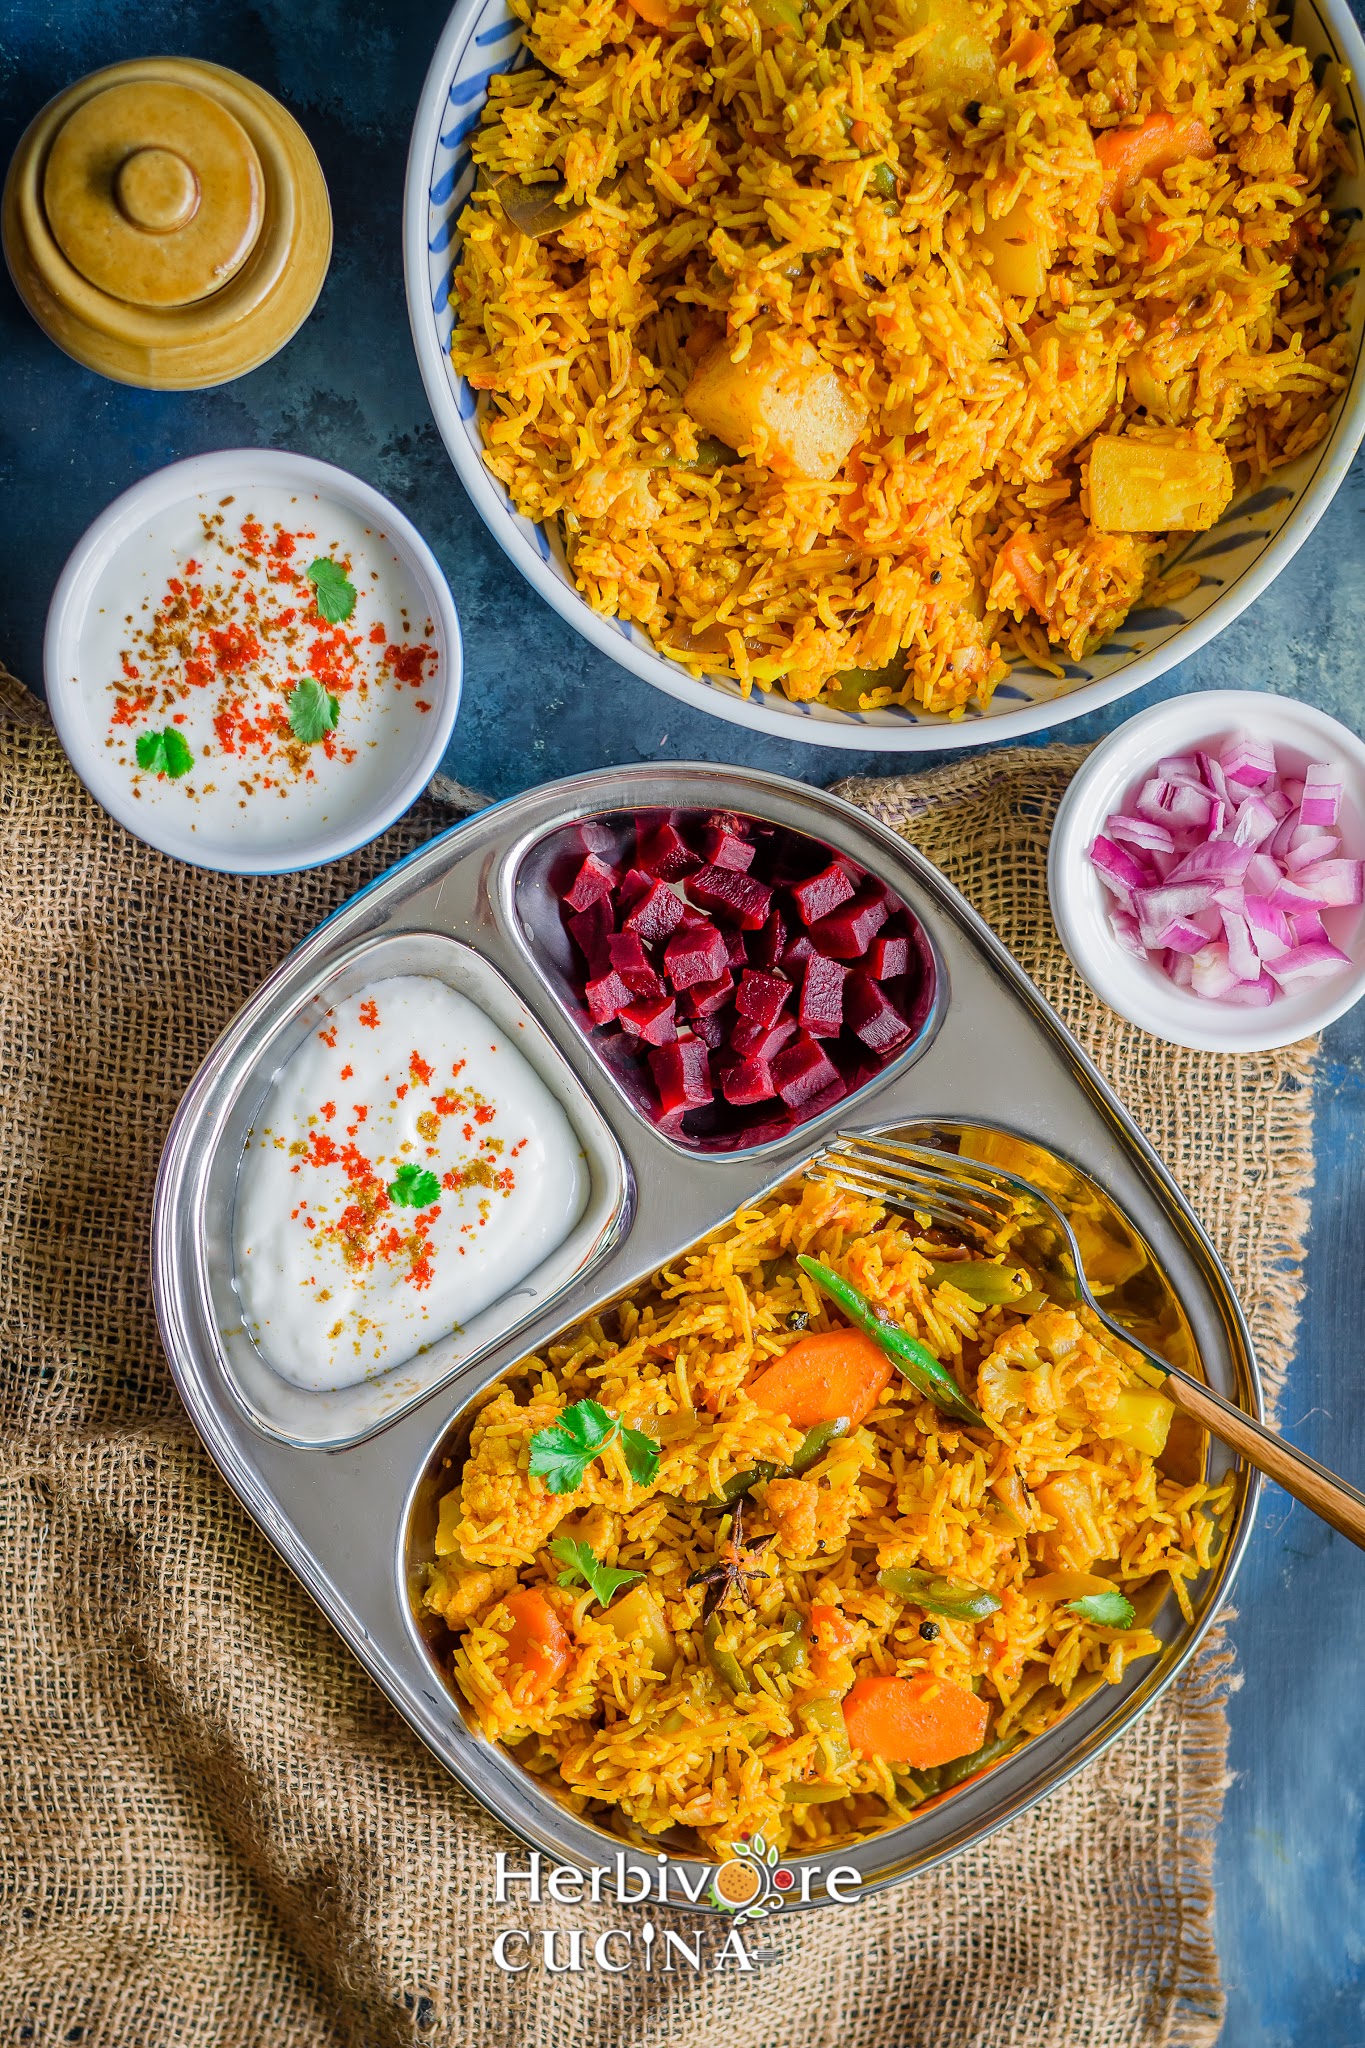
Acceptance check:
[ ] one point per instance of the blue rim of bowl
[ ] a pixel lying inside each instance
(1283, 517)
(86, 559)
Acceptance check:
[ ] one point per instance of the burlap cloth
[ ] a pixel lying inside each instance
(216, 1831)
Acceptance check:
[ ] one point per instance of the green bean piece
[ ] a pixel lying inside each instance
(792, 1655)
(782, 15)
(855, 683)
(911, 1358)
(711, 454)
(816, 1793)
(823, 1717)
(740, 1483)
(983, 1280)
(723, 1662)
(884, 181)
(817, 1441)
(959, 1599)
(967, 1766)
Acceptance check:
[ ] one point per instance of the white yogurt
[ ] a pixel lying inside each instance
(200, 631)
(409, 1168)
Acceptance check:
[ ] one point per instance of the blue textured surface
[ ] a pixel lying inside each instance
(540, 703)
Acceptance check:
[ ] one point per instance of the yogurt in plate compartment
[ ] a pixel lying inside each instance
(408, 1168)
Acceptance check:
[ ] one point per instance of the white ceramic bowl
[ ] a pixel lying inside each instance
(1248, 548)
(1113, 773)
(75, 698)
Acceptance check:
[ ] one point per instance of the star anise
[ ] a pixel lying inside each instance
(733, 1568)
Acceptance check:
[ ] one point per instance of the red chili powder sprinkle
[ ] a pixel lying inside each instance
(369, 1014)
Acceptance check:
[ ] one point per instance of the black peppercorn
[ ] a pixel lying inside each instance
(936, 576)
(798, 1319)
(972, 112)
(929, 1630)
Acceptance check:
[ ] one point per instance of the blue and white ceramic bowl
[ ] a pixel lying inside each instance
(1245, 551)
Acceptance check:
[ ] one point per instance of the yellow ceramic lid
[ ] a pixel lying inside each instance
(167, 223)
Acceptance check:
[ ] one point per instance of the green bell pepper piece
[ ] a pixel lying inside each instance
(957, 1598)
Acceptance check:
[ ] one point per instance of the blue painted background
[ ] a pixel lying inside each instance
(538, 703)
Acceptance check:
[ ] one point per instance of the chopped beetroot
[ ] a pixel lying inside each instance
(872, 1014)
(627, 955)
(761, 996)
(705, 997)
(694, 920)
(802, 1070)
(695, 956)
(665, 853)
(747, 1082)
(711, 1030)
(606, 997)
(847, 934)
(888, 957)
(796, 952)
(657, 913)
(590, 930)
(820, 894)
(654, 1019)
(750, 1039)
(765, 946)
(825, 1098)
(593, 881)
(634, 884)
(739, 899)
(682, 1075)
(725, 848)
(736, 952)
(822, 997)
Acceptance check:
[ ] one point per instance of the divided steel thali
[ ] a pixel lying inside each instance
(344, 1482)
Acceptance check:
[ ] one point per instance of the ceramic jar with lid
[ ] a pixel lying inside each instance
(167, 223)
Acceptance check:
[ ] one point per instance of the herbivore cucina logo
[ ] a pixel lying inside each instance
(747, 1886)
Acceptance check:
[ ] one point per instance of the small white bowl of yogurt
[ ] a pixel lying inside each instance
(253, 661)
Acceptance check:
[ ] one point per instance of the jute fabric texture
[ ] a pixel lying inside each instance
(216, 1833)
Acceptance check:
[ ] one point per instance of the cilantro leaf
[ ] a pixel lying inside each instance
(333, 590)
(164, 753)
(582, 1562)
(414, 1187)
(1106, 1610)
(313, 711)
(561, 1454)
(642, 1455)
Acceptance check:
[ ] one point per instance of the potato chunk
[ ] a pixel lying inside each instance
(785, 405)
(1156, 486)
(1018, 250)
(957, 59)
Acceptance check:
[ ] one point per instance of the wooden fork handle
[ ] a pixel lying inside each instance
(1318, 1489)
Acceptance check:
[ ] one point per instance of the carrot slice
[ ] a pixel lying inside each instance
(829, 1374)
(538, 1647)
(664, 14)
(920, 1721)
(1127, 154)
(1028, 580)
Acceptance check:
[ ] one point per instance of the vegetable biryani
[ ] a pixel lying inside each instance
(860, 346)
(715, 1563)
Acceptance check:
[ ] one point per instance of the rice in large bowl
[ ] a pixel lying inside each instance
(1174, 318)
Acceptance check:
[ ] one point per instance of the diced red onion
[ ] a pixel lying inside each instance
(1213, 971)
(1220, 868)
(1254, 824)
(1321, 799)
(1304, 965)
(1243, 958)
(1252, 995)
(1175, 803)
(1331, 884)
(1313, 846)
(1270, 928)
(1248, 759)
(1152, 838)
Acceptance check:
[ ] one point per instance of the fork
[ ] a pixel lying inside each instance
(978, 1200)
